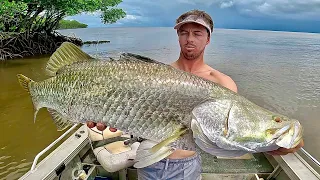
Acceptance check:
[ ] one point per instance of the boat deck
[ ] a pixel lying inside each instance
(258, 164)
(77, 149)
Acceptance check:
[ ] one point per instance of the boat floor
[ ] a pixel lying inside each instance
(212, 167)
(77, 149)
(257, 164)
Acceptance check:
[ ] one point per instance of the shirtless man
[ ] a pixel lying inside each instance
(194, 31)
(194, 36)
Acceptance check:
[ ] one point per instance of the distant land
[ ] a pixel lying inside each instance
(71, 24)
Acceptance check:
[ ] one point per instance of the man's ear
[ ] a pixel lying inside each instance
(208, 40)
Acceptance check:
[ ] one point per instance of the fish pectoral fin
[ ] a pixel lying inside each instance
(66, 54)
(169, 140)
(145, 157)
(61, 122)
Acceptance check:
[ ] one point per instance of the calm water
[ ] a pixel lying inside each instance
(277, 70)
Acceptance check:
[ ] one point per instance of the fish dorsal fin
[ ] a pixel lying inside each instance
(61, 122)
(66, 54)
(137, 57)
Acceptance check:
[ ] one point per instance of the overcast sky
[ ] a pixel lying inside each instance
(286, 15)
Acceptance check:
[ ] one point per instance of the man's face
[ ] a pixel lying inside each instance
(193, 39)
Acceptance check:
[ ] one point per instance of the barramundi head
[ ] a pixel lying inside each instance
(227, 127)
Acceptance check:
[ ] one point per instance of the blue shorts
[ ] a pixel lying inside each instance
(173, 169)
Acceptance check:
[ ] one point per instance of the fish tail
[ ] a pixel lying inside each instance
(24, 82)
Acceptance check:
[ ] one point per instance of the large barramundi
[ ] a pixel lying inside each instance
(155, 101)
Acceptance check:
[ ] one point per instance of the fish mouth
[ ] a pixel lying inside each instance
(291, 135)
(298, 137)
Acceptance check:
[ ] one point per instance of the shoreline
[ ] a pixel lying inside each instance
(22, 45)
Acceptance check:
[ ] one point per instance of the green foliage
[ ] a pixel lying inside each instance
(67, 24)
(112, 15)
(9, 14)
(45, 15)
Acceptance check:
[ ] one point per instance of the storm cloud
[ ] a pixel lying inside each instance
(289, 15)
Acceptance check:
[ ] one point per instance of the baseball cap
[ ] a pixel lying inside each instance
(194, 19)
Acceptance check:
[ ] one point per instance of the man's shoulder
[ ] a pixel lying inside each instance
(223, 79)
(219, 75)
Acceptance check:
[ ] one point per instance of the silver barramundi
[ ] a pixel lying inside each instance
(155, 101)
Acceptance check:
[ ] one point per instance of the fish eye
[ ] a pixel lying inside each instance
(276, 119)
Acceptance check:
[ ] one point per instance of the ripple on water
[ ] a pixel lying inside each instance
(16, 172)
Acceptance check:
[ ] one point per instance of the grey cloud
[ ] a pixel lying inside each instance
(294, 9)
(248, 14)
(161, 13)
(226, 4)
(281, 8)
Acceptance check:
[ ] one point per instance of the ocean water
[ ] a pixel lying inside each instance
(277, 70)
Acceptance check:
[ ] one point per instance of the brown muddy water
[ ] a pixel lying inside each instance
(21, 138)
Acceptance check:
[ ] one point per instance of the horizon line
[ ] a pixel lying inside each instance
(245, 29)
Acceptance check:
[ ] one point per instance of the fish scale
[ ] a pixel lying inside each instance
(116, 103)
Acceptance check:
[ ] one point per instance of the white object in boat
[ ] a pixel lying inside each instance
(116, 156)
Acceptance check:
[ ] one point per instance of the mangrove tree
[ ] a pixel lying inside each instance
(27, 27)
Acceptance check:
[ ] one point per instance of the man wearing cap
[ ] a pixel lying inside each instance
(194, 30)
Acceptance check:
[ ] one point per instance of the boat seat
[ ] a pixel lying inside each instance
(110, 149)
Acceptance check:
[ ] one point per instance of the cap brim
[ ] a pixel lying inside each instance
(177, 26)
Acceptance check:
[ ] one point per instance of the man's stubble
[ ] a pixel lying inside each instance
(192, 56)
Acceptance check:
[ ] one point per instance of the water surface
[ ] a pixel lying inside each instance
(276, 70)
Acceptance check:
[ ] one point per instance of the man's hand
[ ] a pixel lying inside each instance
(284, 151)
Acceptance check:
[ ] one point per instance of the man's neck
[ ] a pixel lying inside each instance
(190, 65)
